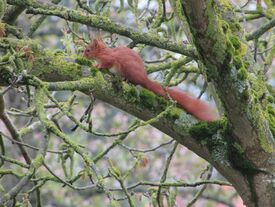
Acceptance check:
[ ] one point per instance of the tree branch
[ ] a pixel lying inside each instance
(259, 32)
(105, 24)
(226, 56)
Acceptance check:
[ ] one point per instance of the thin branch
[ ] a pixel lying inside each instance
(146, 150)
(39, 21)
(163, 66)
(30, 146)
(175, 184)
(199, 193)
(13, 131)
(84, 7)
(14, 161)
(164, 175)
(115, 143)
(259, 32)
(58, 177)
(119, 178)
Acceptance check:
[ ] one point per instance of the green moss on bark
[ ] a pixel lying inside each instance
(60, 66)
(204, 130)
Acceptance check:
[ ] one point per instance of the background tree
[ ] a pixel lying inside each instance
(55, 139)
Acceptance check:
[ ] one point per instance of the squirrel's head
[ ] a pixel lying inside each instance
(94, 48)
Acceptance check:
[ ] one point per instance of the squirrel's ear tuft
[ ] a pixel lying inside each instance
(95, 42)
(98, 43)
(98, 36)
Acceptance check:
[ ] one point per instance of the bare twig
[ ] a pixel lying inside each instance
(164, 175)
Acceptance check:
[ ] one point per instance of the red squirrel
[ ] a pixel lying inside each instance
(127, 63)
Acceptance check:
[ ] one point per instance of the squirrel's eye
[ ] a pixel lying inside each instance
(88, 50)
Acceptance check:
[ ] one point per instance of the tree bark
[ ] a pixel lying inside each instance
(223, 50)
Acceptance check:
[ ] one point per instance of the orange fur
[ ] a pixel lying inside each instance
(129, 65)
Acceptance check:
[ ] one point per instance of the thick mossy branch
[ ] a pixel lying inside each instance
(223, 148)
(56, 66)
(15, 43)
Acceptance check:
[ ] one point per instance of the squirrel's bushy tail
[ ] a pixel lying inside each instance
(196, 107)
